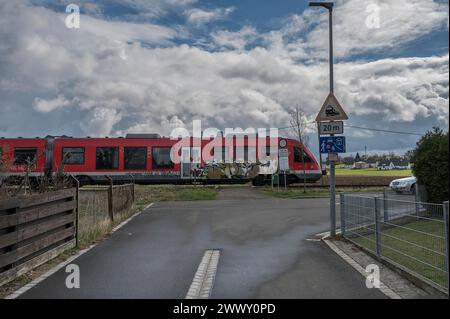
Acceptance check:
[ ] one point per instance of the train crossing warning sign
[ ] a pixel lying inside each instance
(331, 110)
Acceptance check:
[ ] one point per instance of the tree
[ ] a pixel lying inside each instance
(430, 158)
(357, 157)
(408, 155)
(299, 124)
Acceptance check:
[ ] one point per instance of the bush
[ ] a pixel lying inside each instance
(430, 160)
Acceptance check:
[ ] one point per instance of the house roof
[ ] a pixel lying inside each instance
(384, 162)
(348, 160)
(400, 162)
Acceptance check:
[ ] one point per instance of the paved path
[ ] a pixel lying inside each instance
(264, 253)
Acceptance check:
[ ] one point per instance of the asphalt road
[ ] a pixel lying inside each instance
(264, 253)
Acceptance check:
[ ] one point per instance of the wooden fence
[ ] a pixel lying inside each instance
(35, 229)
(107, 201)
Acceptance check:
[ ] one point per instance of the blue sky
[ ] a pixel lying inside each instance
(152, 65)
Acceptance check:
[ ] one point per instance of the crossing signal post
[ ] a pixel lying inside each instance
(330, 112)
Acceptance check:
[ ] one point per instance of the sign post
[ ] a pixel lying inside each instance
(283, 155)
(331, 111)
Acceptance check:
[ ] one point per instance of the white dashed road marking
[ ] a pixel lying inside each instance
(203, 282)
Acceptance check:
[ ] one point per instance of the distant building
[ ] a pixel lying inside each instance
(394, 163)
(348, 162)
(372, 162)
(401, 163)
(360, 165)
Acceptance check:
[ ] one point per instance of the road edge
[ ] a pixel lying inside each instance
(383, 287)
(64, 263)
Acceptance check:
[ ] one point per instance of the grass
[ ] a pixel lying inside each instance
(313, 192)
(341, 171)
(157, 193)
(406, 242)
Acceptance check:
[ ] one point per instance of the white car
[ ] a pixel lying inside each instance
(404, 185)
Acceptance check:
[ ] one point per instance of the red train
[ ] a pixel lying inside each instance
(146, 158)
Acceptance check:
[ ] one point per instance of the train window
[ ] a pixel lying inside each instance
(298, 156)
(107, 158)
(135, 158)
(250, 154)
(24, 156)
(73, 155)
(240, 154)
(161, 158)
(219, 153)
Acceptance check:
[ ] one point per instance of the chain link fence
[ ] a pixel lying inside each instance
(410, 234)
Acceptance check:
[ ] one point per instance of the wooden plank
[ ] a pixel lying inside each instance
(40, 228)
(30, 214)
(8, 204)
(8, 258)
(13, 273)
(8, 220)
(33, 230)
(8, 239)
(47, 197)
(35, 246)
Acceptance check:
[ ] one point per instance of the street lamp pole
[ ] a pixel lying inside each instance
(329, 7)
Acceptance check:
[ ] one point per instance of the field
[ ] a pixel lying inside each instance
(157, 193)
(298, 192)
(341, 171)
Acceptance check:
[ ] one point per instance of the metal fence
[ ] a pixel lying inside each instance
(412, 235)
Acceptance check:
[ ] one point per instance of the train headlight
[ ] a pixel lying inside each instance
(282, 143)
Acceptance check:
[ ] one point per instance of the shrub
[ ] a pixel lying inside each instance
(430, 159)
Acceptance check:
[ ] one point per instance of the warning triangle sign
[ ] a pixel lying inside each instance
(331, 110)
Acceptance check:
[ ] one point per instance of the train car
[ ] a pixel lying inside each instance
(146, 158)
(20, 155)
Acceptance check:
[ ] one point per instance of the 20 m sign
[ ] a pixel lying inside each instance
(335, 127)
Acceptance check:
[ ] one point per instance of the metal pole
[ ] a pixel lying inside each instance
(377, 227)
(343, 214)
(330, 28)
(446, 241)
(332, 168)
(385, 206)
(332, 201)
(320, 154)
(417, 199)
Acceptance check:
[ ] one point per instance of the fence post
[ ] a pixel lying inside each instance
(377, 228)
(343, 213)
(77, 183)
(417, 198)
(132, 188)
(446, 241)
(385, 206)
(110, 199)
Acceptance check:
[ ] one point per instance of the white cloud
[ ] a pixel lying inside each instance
(63, 81)
(234, 40)
(46, 106)
(305, 36)
(200, 16)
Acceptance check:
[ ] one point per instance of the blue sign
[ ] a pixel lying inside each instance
(332, 144)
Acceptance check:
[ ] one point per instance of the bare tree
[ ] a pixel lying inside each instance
(299, 124)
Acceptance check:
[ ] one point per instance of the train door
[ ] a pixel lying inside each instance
(190, 162)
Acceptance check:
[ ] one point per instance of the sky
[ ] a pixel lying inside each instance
(153, 65)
